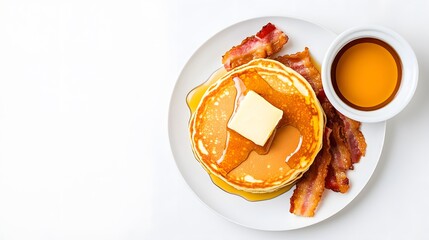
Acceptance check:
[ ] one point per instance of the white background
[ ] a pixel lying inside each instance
(84, 96)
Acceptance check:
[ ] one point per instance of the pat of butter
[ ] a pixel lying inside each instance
(255, 118)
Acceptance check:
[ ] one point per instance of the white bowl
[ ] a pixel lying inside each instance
(409, 78)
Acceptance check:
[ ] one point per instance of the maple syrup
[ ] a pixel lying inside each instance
(366, 74)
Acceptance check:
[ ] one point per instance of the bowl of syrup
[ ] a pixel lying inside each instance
(369, 73)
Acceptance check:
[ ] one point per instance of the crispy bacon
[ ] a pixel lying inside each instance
(347, 141)
(301, 62)
(309, 189)
(330, 112)
(341, 162)
(354, 138)
(268, 41)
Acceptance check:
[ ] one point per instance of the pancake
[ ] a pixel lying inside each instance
(238, 161)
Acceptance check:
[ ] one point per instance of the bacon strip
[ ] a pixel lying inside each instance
(301, 63)
(354, 138)
(268, 41)
(309, 189)
(341, 162)
(347, 141)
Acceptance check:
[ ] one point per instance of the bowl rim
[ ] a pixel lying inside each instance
(409, 78)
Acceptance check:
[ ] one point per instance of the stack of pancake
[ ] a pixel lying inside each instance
(239, 162)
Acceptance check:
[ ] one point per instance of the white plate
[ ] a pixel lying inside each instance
(271, 214)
